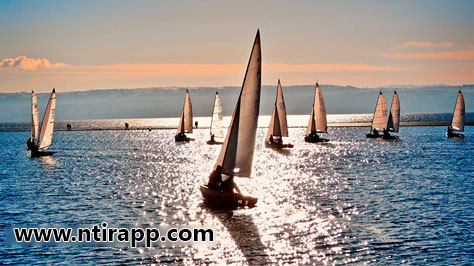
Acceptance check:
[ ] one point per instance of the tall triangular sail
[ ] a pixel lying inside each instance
(278, 125)
(34, 117)
(459, 113)
(380, 120)
(394, 117)
(47, 126)
(186, 120)
(217, 124)
(317, 119)
(236, 154)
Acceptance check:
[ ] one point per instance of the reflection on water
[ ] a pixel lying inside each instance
(352, 200)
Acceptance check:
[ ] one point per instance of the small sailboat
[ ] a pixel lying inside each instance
(186, 120)
(41, 139)
(278, 127)
(393, 118)
(317, 119)
(380, 120)
(457, 122)
(217, 123)
(236, 155)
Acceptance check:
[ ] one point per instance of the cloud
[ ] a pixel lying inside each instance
(454, 55)
(426, 44)
(26, 63)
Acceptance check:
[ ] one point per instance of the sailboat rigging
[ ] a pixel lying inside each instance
(317, 119)
(278, 127)
(236, 155)
(380, 120)
(42, 137)
(186, 120)
(393, 118)
(457, 122)
(217, 123)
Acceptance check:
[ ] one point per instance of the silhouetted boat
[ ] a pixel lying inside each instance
(236, 155)
(457, 122)
(38, 143)
(186, 120)
(317, 119)
(380, 120)
(278, 127)
(217, 123)
(393, 118)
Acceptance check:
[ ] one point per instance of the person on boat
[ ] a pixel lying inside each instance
(126, 125)
(181, 134)
(271, 140)
(376, 133)
(69, 127)
(212, 138)
(278, 140)
(386, 134)
(451, 133)
(217, 182)
(313, 135)
(196, 124)
(30, 144)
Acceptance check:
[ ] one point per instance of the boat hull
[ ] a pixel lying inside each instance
(315, 140)
(454, 135)
(389, 137)
(41, 153)
(226, 200)
(181, 139)
(213, 142)
(278, 145)
(373, 136)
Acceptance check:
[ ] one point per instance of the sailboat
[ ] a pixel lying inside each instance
(236, 155)
(217, 124)
(380, 120)
(393, 118)
(40, 140)
(317, 119)
(278, 127)
(186, 120)
(457, 123)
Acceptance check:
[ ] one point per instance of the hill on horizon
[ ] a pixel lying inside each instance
(160, 102)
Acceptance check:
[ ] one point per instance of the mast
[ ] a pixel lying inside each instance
(237, 151)
(47, 125)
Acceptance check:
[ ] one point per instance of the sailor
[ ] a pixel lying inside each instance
(385, 133)
(271, 139)
(376, 133)
(30, 144)
(126, 125)
(218, 182)
(313, 134)
(212, 138)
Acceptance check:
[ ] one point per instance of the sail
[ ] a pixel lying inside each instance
(47, 125)
(320, 111)
(217, 123)
(459, 113)
(380, 120)
(311, 124)
(278, 125)
(181, 124)
(394, 116)
(236, 154)
(188, 114)
(34, 117)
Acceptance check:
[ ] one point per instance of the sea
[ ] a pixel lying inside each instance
(352, 200)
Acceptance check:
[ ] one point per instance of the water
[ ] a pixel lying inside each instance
(352, 200)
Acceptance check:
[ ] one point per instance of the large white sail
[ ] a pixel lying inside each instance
(34, 117)
(278, 125)
(47, 125)
(320, 111)
(380, 120)
(394, 116)
(236, 154)
(188, 114)
(459, 113)
(217, 124)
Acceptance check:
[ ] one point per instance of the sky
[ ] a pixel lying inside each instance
(87, 45)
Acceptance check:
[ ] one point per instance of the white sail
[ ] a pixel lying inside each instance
(459, 113)
(236, 154)
(278, 125)
(34, 117)
(186, 120)
(380, 120)
(311, 124)
(217, 124)
(394, 116)
(320, 111)
(47, 125)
